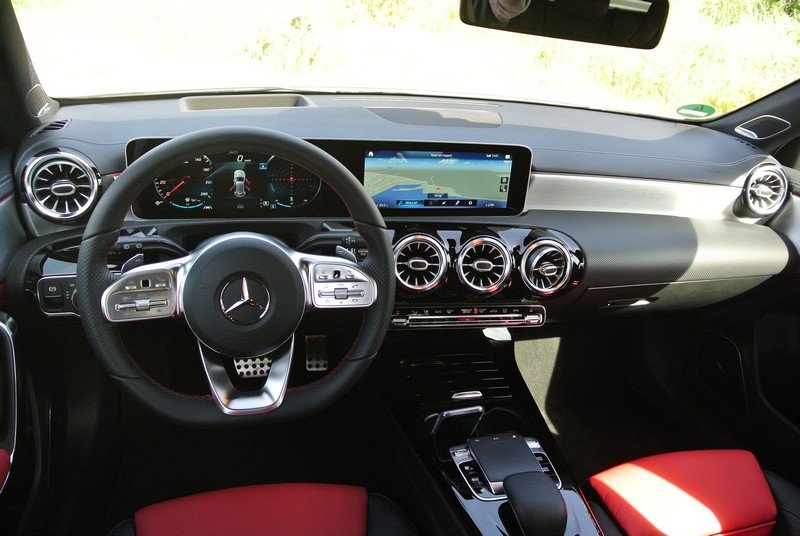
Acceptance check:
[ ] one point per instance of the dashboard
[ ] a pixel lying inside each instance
(500, 214)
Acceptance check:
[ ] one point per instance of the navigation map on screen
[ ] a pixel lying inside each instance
(437, 179)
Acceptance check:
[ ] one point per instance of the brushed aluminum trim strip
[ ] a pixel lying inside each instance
(554, 191)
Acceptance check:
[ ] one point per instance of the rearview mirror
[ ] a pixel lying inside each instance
(623, 23)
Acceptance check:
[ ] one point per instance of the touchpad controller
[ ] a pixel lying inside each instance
(501, 455)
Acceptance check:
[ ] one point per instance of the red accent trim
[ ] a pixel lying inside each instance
(3, 295)
(6, 198)
(5, 466)
(706, 492)
(297, 509)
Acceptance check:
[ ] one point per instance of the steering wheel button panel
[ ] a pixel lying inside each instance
(142, 294)
(341, 285)
(357, 294)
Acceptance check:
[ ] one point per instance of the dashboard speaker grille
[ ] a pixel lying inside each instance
(765, 189)
(546, 267)
(484, 264)
(763, 127)
(60, 186)
(420, 262)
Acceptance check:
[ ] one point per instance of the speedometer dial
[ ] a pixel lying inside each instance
(187, 185)
(291, 185)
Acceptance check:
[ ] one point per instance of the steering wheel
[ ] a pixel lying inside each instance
(242, 294)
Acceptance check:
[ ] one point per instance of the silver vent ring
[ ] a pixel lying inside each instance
(420, 262)
(546, 266)
(60, 186)
(765, 189)
(484, 264)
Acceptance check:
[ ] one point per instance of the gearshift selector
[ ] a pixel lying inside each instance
(537, 504)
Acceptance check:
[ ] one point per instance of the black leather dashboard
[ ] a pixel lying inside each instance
(623, 255)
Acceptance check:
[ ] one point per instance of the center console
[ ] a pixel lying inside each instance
(489, 464)
(464, 404)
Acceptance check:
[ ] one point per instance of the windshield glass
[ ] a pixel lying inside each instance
(721, 53)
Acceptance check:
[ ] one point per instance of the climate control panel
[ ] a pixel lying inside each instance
(468, 317)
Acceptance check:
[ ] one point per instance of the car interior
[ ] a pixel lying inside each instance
(299, 311)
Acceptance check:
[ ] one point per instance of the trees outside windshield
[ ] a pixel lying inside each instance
(723, 53)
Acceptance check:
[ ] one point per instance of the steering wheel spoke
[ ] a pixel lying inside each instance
(234, 401)
(337, 283)
(145, 293)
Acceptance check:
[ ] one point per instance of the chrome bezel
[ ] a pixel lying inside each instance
(39, 163)
(541, 248)
(506, 267)
(760, 173)
(433, 243)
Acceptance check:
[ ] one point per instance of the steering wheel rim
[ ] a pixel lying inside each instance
(102, 232)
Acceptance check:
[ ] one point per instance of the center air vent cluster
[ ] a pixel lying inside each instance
(60, 186)
(483, 264)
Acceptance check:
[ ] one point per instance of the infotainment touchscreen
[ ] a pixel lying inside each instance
(434, 180)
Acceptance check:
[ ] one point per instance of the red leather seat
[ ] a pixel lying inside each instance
(689, 493)
(272, 509)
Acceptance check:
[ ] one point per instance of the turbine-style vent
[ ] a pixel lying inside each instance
(420, 262)
(484, 265)
(60, 186)
(765, 189)
(546, 267)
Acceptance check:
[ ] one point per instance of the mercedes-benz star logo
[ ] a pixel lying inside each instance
(244, 301)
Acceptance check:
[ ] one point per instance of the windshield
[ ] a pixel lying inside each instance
(720, 53)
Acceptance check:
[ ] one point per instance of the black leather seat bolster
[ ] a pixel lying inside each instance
(787, 499)
(607, 524)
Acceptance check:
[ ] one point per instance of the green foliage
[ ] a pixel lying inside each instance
(384, 12)
(789, 7)
(748, 49)
(293, 51)
(729, 12)
(726, 53)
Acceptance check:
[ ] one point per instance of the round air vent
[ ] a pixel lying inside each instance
(60, 186)
(765, 190)
(546, 267)
(484, 264)
(420, 262)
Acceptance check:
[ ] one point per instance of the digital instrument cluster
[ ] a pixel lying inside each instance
(230, 184)
(426, 178)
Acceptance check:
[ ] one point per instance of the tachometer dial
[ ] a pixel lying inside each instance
(291, 185)
(187, 185)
